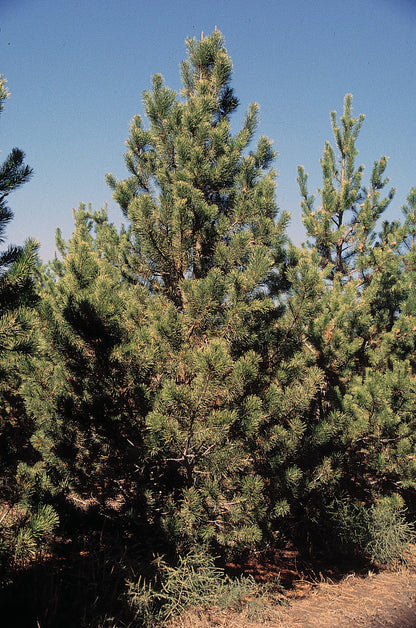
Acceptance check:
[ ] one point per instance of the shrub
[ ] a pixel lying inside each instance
(389, 533)
(196, 582)
(381, 530)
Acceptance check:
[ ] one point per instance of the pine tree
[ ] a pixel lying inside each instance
(352, 443)
(207, 244)
(25, 524)
(87, 390)
(16, 263)
(343, 227)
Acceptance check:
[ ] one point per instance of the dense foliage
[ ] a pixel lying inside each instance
(26, 518)
(194, 379)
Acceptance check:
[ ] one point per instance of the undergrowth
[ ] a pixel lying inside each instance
(382, 530)
(197, 583)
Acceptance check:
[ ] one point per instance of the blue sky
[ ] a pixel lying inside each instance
(76, 70)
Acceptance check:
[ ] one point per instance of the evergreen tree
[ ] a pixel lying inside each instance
(16, 263)
(350, 435)
(24, 523)
(343, 227)
(87, 389)
(207, 244)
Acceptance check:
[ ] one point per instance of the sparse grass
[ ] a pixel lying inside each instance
(197, 583)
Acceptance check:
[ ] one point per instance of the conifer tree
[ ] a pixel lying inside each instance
(16, 263)
(25, 523)
(208, 245)
(87, 390)
(355, 446)
(343, 227)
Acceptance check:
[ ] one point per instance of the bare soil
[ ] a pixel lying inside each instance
(386, 599)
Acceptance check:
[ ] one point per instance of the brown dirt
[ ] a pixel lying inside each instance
(373, 600)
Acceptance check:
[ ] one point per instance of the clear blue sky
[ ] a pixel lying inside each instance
(76, 70)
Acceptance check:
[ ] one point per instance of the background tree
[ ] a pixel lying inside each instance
(343, 227)
(25, 522)
(87, 389)
(352, 431)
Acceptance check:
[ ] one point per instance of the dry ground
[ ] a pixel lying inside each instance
(374, 600)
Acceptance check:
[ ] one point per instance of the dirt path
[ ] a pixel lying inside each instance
(383, 600)
(377, 601)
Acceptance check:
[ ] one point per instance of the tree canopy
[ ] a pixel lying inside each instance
(194, 379)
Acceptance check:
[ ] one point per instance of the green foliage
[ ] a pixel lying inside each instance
(381, 530)
(226, 386)
(26, 523)
(197, 380)
(336, 414)
(343, 227)
(85, 389)
(389, 533)
(196, 202)
(208, 244)
(26, 534)
(195, 582)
